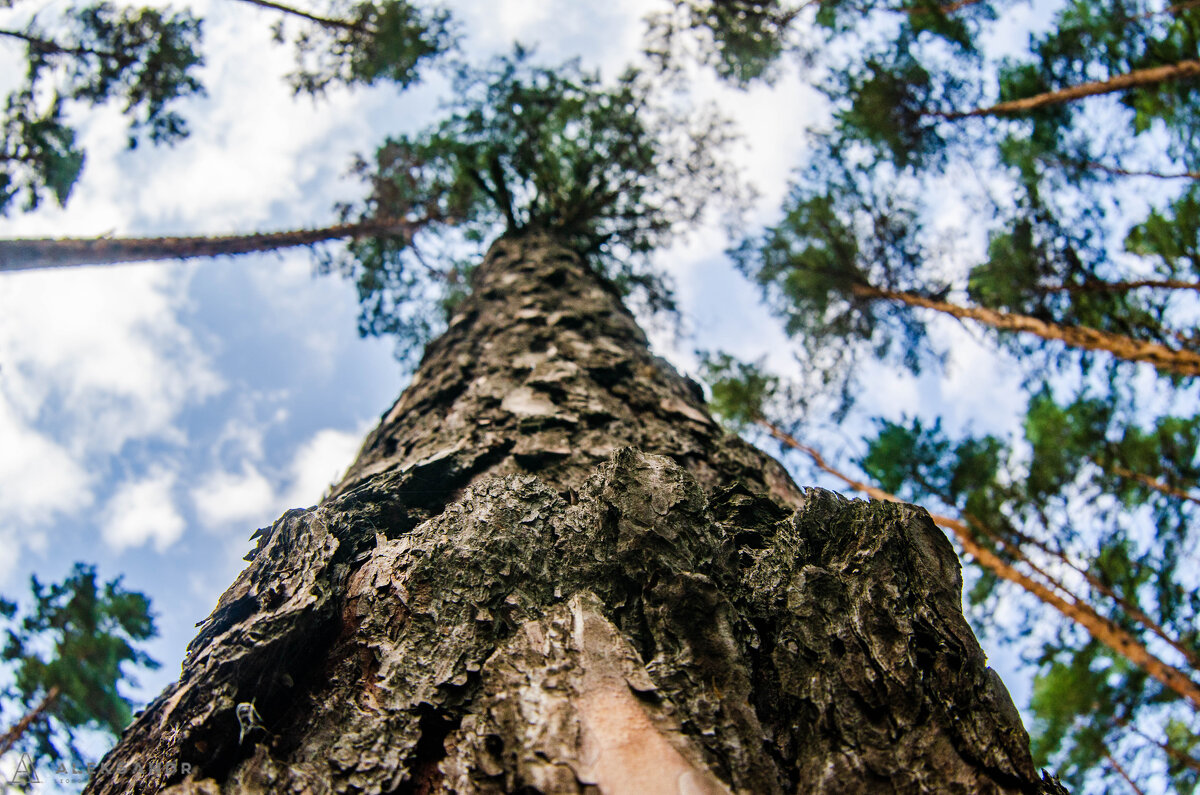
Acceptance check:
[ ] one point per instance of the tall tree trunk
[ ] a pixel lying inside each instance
(1180, 362)
(37, 253)
(1184, 70)
(550, 571)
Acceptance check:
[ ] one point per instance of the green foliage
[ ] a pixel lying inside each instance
(524, 149)
(80, 637)
(1172, 237)
(366, 42)
(740, 39)
(740, 390)
(142, 58)
(1072, 683)
(39, 153)
(886, 102)
(1096, 40)
(843, 229)
(1040, 268)
(1184, 742)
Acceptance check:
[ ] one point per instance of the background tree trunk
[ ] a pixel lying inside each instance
(503, 594)
(38, 253)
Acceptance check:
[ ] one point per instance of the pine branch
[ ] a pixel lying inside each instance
(1122, 172)
(1148, 481)
(1121, 771)
(1178, 362)
(1172, 9)
(1120, 287)
(48, 47)
(1142, 77)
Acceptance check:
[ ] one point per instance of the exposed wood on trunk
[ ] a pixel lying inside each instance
(1184, 70)
(18, 729)
(37, 253)
(1100, 628)
(504, 594)
(1179, 362)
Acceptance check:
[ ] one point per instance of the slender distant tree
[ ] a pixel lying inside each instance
(40, 253)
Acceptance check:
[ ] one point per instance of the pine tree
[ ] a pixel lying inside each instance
(68, 654)
(144, 58)
(549, 568)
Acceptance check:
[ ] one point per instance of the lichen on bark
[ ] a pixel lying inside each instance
(550, 571)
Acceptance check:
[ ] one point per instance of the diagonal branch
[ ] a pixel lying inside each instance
(1148, 481)
(1141, 77)
(1120, 287)
(18, 729)
(1179, 362)
(48, 47)
(325, 22)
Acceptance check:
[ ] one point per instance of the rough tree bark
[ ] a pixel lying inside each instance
(550, 571)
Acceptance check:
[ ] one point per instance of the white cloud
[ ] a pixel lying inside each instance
(38, 478)
(981, 387)
(105, 348)
(144, 511)
(319, 463)
(225, 498)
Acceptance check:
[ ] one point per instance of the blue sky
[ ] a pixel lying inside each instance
(153, 416)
